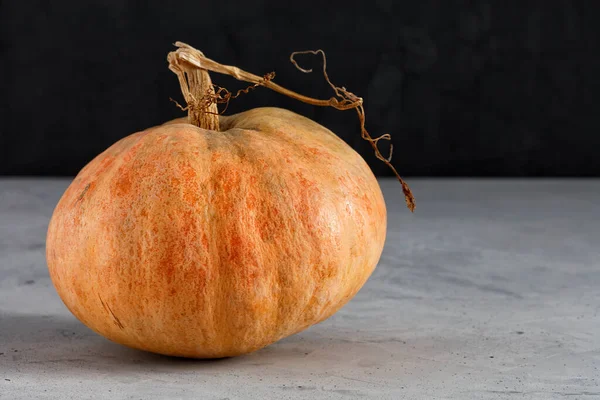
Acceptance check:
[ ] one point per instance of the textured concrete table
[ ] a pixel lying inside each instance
(490, 291)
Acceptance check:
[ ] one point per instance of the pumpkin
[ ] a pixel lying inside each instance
(214, 236)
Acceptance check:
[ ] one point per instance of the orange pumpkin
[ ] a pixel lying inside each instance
(218, 240)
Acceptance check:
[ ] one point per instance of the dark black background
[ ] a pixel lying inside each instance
(468, 88)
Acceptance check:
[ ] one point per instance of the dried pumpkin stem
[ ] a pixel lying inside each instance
(198, 90)
(192, 59)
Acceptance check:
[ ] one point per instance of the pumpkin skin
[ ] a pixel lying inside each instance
(197, 243)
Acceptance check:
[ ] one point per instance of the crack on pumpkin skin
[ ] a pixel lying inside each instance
(115, 319)
(85, 189)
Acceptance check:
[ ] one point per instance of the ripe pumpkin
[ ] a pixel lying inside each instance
(215, 236)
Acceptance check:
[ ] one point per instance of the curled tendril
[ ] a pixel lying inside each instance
(220, 95)
(224, 96)
(346, 100)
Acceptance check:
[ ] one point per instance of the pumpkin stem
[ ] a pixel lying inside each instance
(343, 99)
(197, 89)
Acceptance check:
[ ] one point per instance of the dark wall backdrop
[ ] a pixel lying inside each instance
(471, 88)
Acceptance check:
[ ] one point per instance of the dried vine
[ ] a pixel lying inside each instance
(343, 100)
(350, 100)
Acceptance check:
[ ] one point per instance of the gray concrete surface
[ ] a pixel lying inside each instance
(491, 290)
